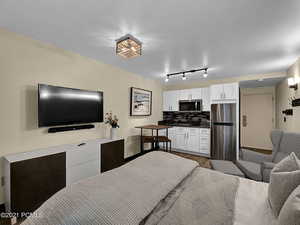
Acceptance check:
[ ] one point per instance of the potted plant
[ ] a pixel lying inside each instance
(112, 120)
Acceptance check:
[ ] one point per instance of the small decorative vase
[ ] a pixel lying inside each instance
(113, 133)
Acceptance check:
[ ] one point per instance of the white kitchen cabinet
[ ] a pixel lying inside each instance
(185, 94)
(196, 93)
(190, 94)
(231, 91)
(192, 140)
(204, 141)
(205, 96)
(171, 135)
(170, 100)
(224, 92)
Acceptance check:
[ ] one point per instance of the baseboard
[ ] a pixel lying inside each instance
(265, 151)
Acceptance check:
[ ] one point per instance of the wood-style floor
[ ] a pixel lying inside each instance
(203, 162)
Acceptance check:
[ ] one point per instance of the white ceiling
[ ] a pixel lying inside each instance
(269, 82)
(231, 37)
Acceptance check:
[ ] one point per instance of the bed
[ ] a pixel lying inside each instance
(158, 188)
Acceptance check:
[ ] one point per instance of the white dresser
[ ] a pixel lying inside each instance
(30, 178)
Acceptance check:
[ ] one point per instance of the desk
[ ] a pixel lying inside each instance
(153, 127)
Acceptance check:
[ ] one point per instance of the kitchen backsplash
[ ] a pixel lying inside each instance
(187, 117)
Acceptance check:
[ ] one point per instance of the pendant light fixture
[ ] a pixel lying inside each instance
(183, 76)
(128, 46)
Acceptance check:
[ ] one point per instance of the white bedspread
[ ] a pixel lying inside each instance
(251, 206)
(123, 196)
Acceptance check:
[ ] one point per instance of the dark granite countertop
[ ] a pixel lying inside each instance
(184, 124)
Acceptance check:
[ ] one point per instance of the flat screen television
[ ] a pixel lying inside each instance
(66, 106)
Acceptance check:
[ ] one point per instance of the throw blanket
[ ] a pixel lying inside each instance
(123, 196)
(206, 198)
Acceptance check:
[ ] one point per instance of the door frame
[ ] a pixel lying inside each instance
(257, 91)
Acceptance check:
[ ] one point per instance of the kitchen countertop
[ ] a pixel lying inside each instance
(184, 125)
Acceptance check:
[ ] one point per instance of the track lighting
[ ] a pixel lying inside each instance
(167, 79)
(205, 74)
(183, 73)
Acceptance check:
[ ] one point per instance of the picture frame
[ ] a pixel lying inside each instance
(140, 102)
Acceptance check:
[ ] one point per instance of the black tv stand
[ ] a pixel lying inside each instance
(69, 128)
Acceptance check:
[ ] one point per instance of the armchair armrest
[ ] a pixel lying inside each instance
(266, 168)
(248, 155)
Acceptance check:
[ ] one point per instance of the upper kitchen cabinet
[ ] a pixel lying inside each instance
(190, 94)
(205, 96)
(224, 92)
(170, 100)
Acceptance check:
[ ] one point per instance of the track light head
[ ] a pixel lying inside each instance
(205, 74)
(167, 78)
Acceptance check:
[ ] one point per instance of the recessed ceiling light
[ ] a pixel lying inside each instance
(128, 46)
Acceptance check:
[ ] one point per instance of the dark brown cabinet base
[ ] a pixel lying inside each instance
(112, 155)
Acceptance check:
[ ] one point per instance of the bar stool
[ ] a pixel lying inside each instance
(148, 139)
(165, 141)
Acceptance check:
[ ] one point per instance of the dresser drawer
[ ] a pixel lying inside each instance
(82, 171)
(83, 154)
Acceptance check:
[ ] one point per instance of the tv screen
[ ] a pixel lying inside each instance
(65, 106)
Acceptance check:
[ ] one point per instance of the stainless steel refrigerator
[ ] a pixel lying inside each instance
(223, 131)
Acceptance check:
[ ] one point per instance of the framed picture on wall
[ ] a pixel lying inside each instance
(140, 102)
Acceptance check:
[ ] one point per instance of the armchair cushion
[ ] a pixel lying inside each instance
(248, 155)
(250, 169)
(285, 177)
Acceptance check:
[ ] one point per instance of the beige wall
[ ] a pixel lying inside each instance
(24, 63)
(283, 94)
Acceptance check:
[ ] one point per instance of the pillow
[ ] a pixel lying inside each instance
(290, 212)
(285, 177)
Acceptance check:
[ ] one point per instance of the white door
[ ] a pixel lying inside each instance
(193, 139)
(205, 93)
(216, 92)
(257, 120)
(230, 91)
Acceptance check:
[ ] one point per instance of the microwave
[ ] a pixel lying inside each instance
(190, 105)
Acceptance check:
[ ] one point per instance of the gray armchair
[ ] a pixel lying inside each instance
(258, 166)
